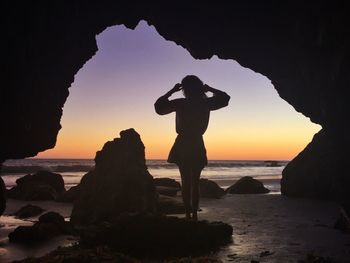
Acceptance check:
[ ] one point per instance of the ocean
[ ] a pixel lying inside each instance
(224, 172)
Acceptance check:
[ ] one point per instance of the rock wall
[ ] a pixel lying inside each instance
(301, 46)
(319, 171)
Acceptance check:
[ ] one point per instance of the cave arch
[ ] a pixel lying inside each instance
(134, 67)
(300, 46)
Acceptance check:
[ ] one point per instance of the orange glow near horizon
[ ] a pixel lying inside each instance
(116, 90)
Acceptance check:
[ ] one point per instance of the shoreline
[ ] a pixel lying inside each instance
(289, 228)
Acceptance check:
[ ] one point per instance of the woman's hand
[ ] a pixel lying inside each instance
(176, 88)
(207, 88)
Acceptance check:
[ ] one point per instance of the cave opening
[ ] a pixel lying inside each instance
(116, 90)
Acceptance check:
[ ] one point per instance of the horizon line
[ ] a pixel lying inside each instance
(156, 159)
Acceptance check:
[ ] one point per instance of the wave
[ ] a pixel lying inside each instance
(71, 165)
(11, 169)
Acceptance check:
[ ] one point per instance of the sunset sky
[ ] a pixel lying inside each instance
(117, 88)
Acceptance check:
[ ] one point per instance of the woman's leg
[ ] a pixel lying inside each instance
(185, 172)
(195, 175)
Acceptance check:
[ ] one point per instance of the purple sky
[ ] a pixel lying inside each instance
(116, 90)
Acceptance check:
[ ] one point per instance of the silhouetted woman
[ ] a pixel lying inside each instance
(192, 117)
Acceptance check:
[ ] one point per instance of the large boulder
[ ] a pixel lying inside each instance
(247, 185)
(119, 183)
(50, 224)
(210, 189)
(42, 185)
(158, 236)
(313, 173)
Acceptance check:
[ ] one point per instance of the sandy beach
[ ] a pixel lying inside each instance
(288, 229)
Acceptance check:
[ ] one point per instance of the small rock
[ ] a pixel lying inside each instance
(247, 185)
(167, 182)
(266, 253)
(167, 205)
(28, 211)
(49, 225)
(210, 189)
(168, 191)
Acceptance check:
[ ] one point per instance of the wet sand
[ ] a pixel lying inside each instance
(288, 228)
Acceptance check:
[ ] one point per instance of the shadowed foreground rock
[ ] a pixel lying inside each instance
(210, 189)
(158, 236)
(101, 254)
(119, 183)
(49, 225)
(42, 185)
(247, 185)
(28, 211)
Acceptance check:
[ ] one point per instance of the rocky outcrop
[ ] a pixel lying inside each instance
(210, 189)
(42, 185)
(157, 237)
(119, 183)
(247, 185)
(315, 173)
(49, 225)
(28, 211)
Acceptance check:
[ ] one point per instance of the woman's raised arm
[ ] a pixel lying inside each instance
(163, 105)
(219, 100)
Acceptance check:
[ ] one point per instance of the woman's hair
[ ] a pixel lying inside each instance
(192, 87)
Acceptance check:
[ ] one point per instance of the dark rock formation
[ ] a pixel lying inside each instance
(70, 195)
(49, 225)
(158, 237)
(42, 185)
(168, 191)
(315, 172)
(28, 211)
(210, 189)
(301, 46)
(2, 196)
(101, 254)
(343, 222)
(79, 254)
(120, 182)
(169, 205)
(167, 182)
(167, 186)
(247, 185)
